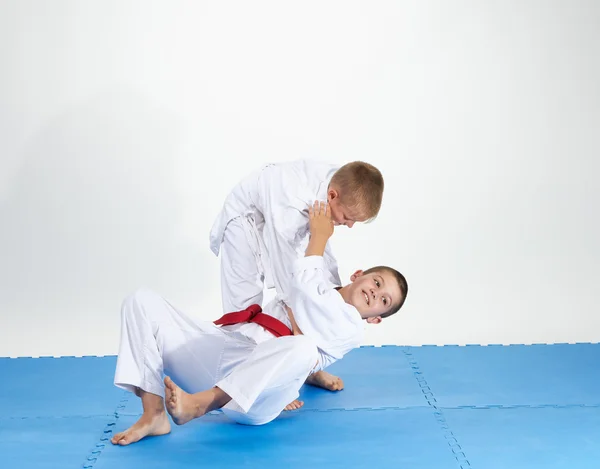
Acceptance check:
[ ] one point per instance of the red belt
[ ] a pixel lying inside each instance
(253, 313)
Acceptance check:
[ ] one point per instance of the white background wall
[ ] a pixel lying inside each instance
(123, 124)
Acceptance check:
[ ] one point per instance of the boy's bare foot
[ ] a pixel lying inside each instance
(149, 424)
(325, 380)
(184, 407)
(294, 405)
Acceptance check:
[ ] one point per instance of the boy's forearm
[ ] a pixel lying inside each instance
(295, 329)
(316, 245)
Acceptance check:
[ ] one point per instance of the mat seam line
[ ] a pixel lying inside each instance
(451, 440)
(95, 453)
(332, 409)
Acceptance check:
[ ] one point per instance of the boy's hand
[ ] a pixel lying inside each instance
(319, 220)
(321, 228)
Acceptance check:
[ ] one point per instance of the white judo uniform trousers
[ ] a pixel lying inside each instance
(261, 378)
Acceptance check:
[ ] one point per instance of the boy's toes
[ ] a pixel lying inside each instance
(294, 405)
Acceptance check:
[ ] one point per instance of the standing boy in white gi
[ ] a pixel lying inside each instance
(249, 373)
(263, 226)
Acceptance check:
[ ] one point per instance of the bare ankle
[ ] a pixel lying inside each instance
(153, 405)
(155, 412)
(209, 400)
(219, 398)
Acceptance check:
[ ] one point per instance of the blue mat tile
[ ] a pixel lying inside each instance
(380, 439)
(532, 438)
(374, 377)
(49, 443)
(511, 375)
(45, 387)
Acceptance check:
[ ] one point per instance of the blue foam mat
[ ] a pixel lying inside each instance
(374, 377)
(51, 443)
(546, 414)
(337, 439)
(532, 438)
(516, 375)
(44, 387)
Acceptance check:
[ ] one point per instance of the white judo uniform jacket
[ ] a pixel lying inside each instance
(272, 205)
(261, 373)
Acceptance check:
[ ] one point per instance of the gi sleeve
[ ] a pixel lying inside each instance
(280, 235)
(321, 312)
(284, 201)
(284, 205)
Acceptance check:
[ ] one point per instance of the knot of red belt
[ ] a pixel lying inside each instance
(253, 313)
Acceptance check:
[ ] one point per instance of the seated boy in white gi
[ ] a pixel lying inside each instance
(255, 363)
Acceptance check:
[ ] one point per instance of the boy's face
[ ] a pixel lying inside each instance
(373, 294)
(340, 214)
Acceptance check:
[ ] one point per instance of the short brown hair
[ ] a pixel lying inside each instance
(360, 186)
(402, 283)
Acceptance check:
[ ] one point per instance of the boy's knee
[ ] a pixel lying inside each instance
(138, 297)
(304, 350)
(303, 343)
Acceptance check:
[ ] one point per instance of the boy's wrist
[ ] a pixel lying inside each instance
(319, 238)
(316, 245)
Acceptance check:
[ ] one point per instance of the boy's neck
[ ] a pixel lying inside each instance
(342, 291)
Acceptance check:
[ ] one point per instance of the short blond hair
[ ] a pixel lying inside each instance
(360, 187)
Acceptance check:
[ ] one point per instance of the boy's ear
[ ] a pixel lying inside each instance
(332, 194)
(376, 320)
(355, 275)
